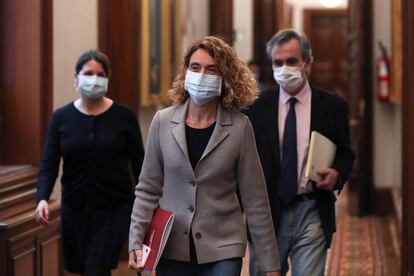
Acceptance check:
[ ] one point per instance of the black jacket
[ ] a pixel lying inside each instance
(329, 116)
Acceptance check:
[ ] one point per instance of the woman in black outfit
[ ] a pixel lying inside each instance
(97, 139)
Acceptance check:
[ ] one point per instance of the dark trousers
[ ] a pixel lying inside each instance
(229, 267)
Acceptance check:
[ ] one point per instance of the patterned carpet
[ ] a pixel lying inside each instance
(357, 247)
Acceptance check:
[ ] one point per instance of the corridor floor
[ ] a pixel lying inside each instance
(363, 246)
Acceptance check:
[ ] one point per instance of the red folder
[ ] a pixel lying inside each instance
(157, 236)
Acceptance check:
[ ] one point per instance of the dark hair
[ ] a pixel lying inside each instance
(253, 62)
(286, 35)
(95, 55)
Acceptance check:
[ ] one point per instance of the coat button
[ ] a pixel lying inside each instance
(192, 183)
(191, 209)
(198, 235)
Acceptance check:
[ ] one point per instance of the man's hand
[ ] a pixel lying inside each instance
(42, 212)
(329, 179)
(135, 260)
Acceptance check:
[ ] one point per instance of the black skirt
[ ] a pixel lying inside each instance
(93, 237)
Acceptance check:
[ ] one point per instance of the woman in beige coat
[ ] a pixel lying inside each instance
(199, 153)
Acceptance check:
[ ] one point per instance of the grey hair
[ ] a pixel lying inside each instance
(285, 35)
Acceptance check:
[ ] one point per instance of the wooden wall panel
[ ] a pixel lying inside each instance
(24, 258)
(221, 19)
(360, 104)
(46, 91)
(28, 248)
(267, 20)
(25, 97)
(407, 249)
(23, 265)
(50, 261)
(118, 37)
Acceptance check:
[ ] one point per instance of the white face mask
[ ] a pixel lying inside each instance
(92, 87)
(201, 87)
(289, 77)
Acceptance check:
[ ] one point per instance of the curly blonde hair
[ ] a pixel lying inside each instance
(239, 87)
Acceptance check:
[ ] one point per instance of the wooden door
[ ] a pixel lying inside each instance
(327, 32)
(407, 248)
(341, 43)
(360, 104)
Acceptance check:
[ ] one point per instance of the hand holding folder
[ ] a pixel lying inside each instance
(321, 155)
(156, 238)
(146, 259)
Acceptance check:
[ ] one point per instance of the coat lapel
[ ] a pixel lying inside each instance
(318, 109)
(178, 130)
(273, 125)
(219, 133)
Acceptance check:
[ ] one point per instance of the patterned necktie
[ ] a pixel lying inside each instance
(288, 184)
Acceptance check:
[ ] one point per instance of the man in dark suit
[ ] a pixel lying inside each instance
(283, 118)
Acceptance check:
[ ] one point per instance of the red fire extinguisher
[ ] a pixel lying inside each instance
(383, 75)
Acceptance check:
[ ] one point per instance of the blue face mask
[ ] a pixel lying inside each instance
(202, 88)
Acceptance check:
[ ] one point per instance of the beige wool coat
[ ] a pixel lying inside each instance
(204, 199)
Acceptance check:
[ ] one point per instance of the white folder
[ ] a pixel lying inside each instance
(321, 155)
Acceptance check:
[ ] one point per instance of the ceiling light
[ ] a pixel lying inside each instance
(330, 3)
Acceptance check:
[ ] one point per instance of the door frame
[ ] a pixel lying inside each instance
(407, 243)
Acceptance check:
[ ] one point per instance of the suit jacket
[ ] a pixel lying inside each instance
(204, 199)
(329, 116)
